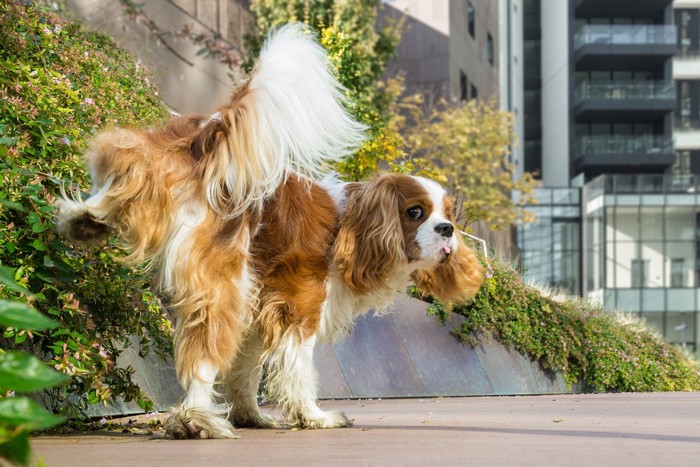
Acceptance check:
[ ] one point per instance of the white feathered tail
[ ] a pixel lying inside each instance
(290, 115)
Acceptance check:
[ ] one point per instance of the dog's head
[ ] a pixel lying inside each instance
(399, 224)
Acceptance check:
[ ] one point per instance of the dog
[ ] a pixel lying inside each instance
(261, 249)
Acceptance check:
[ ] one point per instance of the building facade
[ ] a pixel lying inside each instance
(612, 89)
(449, 48)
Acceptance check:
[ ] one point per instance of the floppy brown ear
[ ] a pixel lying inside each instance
(370, 244)
(454, 281)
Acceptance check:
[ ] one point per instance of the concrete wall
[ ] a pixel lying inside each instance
(437, 45)
(423, 53)
(469, 54)
(188, 82)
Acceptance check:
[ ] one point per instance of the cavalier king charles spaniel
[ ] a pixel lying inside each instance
(262, 252)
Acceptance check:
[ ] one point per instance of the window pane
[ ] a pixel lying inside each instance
(652, 223)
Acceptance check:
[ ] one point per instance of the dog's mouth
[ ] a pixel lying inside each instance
(445, 253)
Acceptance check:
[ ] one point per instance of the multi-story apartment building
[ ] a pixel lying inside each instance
(610, 99)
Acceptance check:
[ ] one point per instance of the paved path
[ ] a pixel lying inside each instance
(596, 430)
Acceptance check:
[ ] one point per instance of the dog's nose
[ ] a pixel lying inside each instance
(445, 229)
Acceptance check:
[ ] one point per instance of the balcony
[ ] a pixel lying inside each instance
(598, 154)
(639, 47)
(687, 134)
(630, 101)
(621, 8)
(686, 65)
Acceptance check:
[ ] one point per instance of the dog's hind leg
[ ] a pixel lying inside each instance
(212, 303)
(242, 384)
(198, 416)
(292, 381)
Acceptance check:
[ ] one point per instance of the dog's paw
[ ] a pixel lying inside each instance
(253, 420)
(197, 424)
(320, 419)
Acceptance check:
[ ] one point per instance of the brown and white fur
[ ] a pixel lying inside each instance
(261, 256)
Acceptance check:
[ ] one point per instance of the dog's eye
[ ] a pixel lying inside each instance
(416, 212)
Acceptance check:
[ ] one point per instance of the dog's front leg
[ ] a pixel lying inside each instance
(292, 381)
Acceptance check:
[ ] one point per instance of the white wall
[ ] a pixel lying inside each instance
(511, 78)
(555, 93)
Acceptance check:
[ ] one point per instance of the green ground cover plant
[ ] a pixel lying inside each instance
(598, 351)
(59, 84)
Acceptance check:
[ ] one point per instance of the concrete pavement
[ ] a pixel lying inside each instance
(660, 429)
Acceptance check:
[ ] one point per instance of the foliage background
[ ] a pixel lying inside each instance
(59, 84)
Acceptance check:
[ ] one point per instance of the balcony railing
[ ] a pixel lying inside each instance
(626, 35)
(622, 144)
(626, 90)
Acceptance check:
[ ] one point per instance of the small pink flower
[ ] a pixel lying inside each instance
(103, 421)
(65, 141)
(88, 101)
(86, 55)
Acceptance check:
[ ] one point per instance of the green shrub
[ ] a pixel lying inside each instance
(59, 84)
(21, 373)
(601, 351)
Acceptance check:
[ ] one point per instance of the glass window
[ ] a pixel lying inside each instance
(678, 272)
(490, 49)
(680, 266)
(680, 223)
(639, 273)
(628, 300)
(652, 254)
(653, 300)
(463, 86)
(680, 300)
(680, 327)
(654, 321)
(626, 224)
(471, 20)
(652, 223)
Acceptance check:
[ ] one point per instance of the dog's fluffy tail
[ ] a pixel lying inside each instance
(290, 115)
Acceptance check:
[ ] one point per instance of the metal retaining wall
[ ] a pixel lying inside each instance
(401, 354)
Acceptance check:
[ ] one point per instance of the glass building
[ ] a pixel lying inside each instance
(608, 94)
(641, 236)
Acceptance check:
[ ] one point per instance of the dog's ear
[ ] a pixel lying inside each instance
(370, 242)
(454, 281)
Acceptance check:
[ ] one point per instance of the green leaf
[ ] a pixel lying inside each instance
(7, 277)
(39, 245)
(12, 205)
(17, 450)
(22, 372)
(22, 316)
(25, 413)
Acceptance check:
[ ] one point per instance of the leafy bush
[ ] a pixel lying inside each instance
(20, 372)
(601, 351)
(58, 85)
